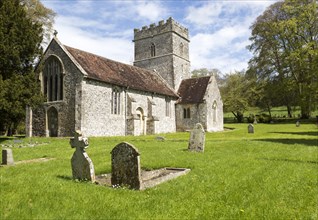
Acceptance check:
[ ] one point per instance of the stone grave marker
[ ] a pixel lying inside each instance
(297, 123)
(7, 157)
(197, 139)
(82, 165)
(126, 171)
(250, 129)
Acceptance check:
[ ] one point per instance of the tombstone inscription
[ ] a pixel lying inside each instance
(197, 139)
(82, 165)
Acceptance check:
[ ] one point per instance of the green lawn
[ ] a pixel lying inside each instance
(272, 174)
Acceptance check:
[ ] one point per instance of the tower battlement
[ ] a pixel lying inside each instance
(169, 25)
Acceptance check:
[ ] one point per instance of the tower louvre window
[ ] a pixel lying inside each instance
(181, 48)
(153, 50)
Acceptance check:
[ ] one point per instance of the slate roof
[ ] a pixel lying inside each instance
(113, 72)
(193, 90)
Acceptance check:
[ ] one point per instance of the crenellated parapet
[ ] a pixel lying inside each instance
(169, 25)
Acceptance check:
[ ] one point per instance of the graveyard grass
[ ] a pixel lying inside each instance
(271, 174)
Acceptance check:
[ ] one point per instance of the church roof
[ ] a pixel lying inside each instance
(193, 90)
(113, 72)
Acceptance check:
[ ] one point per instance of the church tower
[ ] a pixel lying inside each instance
(164, 48)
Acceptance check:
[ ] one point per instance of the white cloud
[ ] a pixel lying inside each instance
(153, 11)
(204, 15)
(115, 48)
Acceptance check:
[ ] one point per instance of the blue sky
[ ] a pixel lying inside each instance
(219, 30)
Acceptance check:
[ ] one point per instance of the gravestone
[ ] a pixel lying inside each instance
(297, 123)
(250, 129)
(126, 166)
(197, 139)
(7, 157)
(255, 121)
(82, 165)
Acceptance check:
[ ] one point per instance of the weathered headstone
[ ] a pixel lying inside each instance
(255, 121)
(250, 129)
(197, 139)
(7, 157)
(126, 166)
(82, 165)
(297, 123)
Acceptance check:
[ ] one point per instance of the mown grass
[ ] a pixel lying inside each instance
(271, 174)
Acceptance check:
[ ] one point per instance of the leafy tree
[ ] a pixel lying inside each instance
(285, 45)
(44, 16)
(235, 94)
(20, 45)
(209, 72)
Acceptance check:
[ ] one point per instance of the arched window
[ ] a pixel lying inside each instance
(186, 113)
(214, 112)
(181, 47)
(153, 50)
(115, 105)
(53, 79)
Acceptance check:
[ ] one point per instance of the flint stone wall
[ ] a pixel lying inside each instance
(203, 113)
(66, 107)
(97, 119)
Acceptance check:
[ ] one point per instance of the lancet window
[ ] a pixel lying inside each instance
(115, 103)
(153, 50)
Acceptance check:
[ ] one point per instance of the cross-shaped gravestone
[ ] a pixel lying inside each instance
(82, 165)
(7, 157)
(250, 128)
(126, 166)
(197, 139)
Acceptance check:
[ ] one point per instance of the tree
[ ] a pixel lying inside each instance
(205, 72)
(235, 94)
(20, 46)
(285, 46)
(44, 16)
(209, 72)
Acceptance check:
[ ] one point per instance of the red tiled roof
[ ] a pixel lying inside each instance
(106, 70)
(193, 90)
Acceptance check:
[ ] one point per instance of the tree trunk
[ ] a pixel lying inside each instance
(9, 130)
(289, 111)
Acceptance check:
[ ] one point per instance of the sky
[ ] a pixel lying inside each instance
(219, 30)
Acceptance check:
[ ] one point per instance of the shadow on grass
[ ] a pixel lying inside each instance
(3, 139)
(310, 133)
(289, 160)
(308, 142)
(64, 177)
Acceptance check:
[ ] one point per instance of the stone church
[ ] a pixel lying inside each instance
(102, 97)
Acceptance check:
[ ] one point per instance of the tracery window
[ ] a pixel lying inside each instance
(52, 82)
(186, 113)
(115, 102)
(153, 50)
